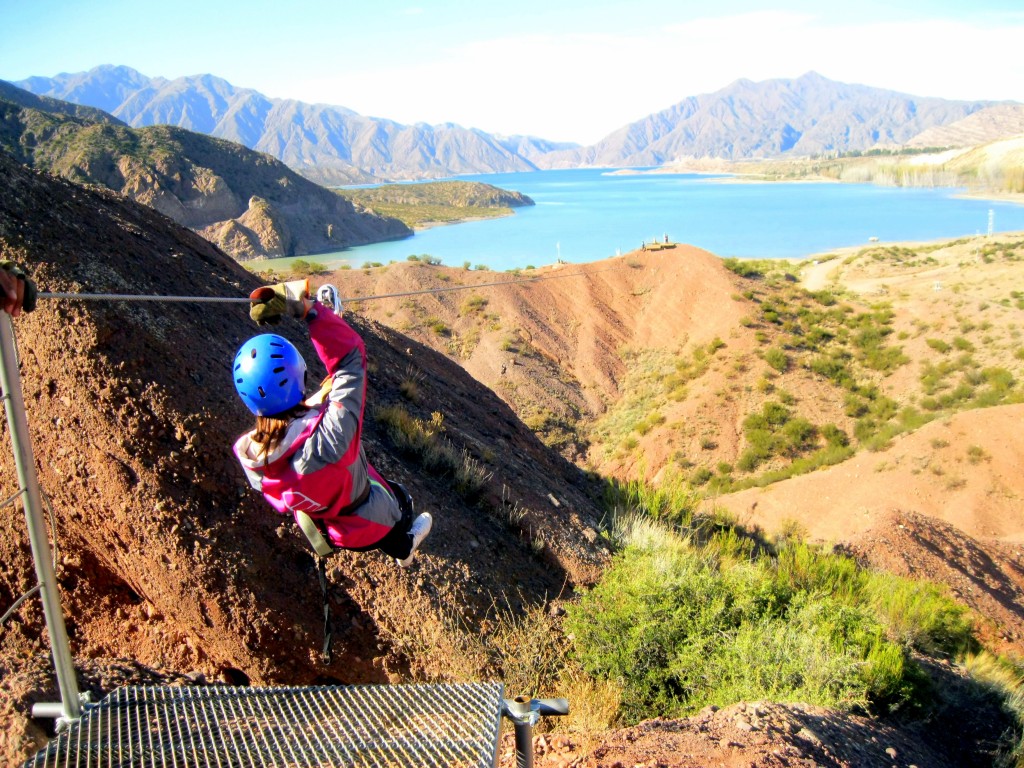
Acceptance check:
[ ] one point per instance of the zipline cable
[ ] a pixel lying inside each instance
(239, 300)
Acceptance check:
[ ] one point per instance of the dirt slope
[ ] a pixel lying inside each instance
(172, 571)
(963, 470)
(166, 557)
(770, 735)
(942, 503)
(958, 478)
(580, 321)
(560, 350)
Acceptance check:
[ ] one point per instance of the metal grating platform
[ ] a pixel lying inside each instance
(454, 726)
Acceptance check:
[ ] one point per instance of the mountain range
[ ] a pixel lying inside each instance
(334, 145)
(329, 144)
(246, 202)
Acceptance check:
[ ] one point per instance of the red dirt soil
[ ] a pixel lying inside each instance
(168, 560)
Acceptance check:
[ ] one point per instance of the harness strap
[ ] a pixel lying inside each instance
(322, 548)
(321, 570)
(316, 535)
(316, 539)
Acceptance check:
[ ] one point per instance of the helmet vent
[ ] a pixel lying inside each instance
(269, 374)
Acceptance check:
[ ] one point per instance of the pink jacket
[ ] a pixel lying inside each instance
(319, 467)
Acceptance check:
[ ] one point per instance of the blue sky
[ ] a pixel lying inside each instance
(560, 69)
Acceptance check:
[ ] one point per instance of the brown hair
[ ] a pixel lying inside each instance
(270, 430)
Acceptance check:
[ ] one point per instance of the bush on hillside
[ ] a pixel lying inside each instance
(682, 625)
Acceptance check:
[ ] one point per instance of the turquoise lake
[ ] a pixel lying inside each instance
(586, 214)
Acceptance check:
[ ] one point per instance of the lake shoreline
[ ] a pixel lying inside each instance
(1016, 198)
(584, 216)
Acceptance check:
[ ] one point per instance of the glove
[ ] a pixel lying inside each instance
(17, 291)
(267, 305)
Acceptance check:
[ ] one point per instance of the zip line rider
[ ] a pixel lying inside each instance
(306, 455)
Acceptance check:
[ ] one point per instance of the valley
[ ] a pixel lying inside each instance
(753, 512)
(668, 368)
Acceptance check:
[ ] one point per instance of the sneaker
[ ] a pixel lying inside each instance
(418, 530)
(328, 296)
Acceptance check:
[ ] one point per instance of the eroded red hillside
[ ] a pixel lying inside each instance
(167, 558)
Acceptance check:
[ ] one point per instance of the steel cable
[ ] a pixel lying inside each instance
(238, 300)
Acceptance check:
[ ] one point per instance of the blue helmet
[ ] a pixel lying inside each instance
(270, 374)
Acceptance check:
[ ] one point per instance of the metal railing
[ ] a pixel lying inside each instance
(70, 706)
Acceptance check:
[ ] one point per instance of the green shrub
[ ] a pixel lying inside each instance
(777, 359)
(701, 475)
(1000, 379)
(834, 436)
(653, 420)
(742, 268)
(672, 500)
(682, 625)
(409, 389)
(963, 344)
(1003, 678)
(438, 326)
(799, 435)
(825, 298)
(885, 358)
(919, 614)
(911, 418)
(304, 268)
(834, 368)
(473, 305)
(976, 454)
(751, 459)
(425, 441)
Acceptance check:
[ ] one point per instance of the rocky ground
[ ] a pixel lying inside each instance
(171, 570)
(753, 735)
(166, 557)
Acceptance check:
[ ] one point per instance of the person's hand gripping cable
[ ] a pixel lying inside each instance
(268, 304)
(17, 290)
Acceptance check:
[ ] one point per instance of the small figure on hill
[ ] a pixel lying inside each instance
(305, 454)
(17, 291)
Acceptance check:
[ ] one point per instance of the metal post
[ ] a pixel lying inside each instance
(14, 403)
(524, 713)
(523, 717)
